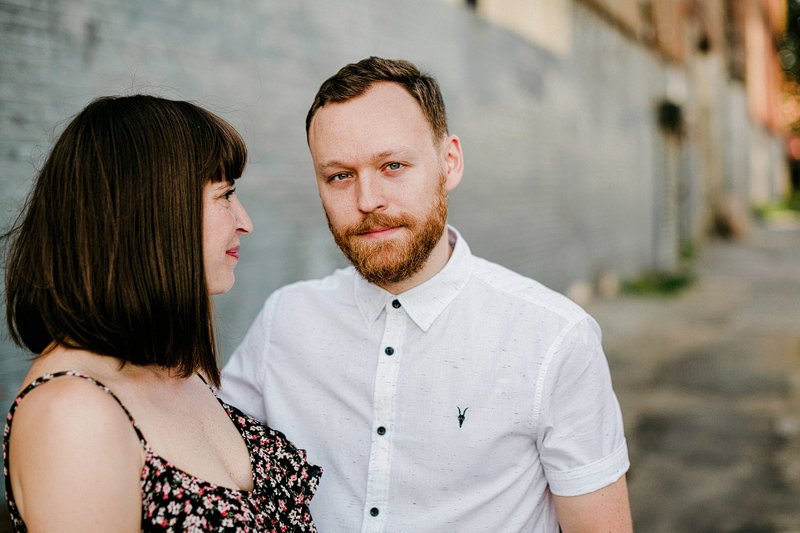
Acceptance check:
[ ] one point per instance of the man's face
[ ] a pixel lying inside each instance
(383, 181)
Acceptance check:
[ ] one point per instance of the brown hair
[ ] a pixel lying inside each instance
(107, 253)
(356, 78)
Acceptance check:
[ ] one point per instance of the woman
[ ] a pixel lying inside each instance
(131, 225)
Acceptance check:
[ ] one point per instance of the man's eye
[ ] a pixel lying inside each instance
(394, 166)
(339, 177)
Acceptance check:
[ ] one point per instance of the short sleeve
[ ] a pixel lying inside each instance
(243, 375)
(580, 432)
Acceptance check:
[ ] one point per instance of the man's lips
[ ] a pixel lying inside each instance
(233, 252)
(378, 231)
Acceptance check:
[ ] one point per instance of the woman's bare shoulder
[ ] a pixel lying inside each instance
(56, 403)
(73, 453)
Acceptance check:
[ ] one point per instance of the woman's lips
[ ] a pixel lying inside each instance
(233, 252)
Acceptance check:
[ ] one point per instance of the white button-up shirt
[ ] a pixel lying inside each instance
(459, 405)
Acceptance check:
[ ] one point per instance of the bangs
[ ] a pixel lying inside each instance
(227, 152)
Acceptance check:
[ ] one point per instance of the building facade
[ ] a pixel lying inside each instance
(601, 137)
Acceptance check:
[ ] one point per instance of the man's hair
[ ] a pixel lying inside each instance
(107, 255)
(355, 79)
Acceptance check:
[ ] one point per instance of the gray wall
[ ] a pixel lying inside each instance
(562, 153)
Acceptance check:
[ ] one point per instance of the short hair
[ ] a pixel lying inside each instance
(355, 79)
(106, 255)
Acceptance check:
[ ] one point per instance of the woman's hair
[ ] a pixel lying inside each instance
(107, 254)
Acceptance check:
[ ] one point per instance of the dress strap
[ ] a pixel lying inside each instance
(74, 373)
(16, 519)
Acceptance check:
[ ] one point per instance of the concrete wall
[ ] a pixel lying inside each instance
(561, 142)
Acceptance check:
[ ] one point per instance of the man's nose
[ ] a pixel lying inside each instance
(370, 194)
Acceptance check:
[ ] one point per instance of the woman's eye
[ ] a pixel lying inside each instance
(230, 193)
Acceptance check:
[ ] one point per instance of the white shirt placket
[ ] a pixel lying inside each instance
(380, 457)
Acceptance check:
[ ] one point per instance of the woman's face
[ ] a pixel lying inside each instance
(224, 221)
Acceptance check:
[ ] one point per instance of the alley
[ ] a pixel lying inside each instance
(709, 383)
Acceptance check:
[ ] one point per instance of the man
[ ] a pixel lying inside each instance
(439, 392)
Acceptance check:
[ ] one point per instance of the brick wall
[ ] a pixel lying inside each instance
(562, 148)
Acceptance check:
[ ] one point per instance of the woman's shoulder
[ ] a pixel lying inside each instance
(59, 409)
(67, 439)
(62, 395)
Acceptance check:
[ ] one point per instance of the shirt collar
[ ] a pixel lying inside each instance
(425, 302)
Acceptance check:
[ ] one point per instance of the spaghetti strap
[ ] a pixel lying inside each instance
(74, 373)
(171, 498)
(17, 523)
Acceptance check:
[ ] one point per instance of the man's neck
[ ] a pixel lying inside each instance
(436, 261)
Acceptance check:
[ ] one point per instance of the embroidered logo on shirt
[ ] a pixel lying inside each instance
(461, 416)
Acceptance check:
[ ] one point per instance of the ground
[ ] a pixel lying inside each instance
(709, 384)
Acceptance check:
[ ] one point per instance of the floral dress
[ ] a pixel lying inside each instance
(173, 500)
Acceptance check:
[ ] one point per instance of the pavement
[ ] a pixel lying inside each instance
(709, 384)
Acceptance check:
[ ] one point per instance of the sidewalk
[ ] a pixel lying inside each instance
(709, 383)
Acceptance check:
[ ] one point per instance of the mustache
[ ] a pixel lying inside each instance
(378, 220)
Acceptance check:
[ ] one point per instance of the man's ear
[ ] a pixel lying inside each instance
(453, 161)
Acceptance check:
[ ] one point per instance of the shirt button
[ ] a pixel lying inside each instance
(381, 430)
(396, 304)
(374, 511)
(389, 350)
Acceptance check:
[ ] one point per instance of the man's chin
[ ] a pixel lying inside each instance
(384, 276)
(381, 263)
(390, 245)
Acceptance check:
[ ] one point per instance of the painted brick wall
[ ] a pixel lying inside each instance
(561, 150)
